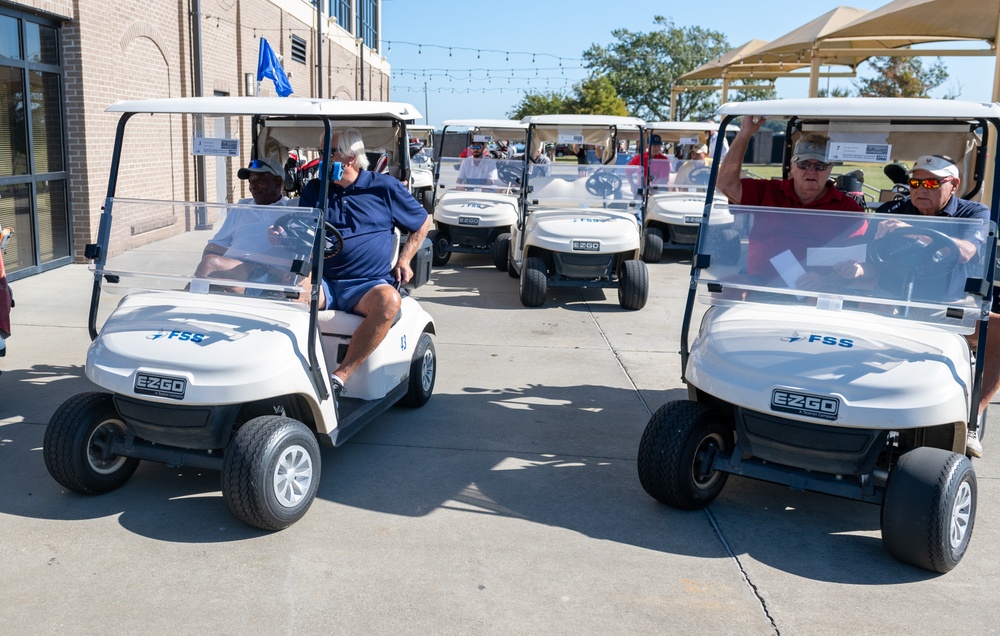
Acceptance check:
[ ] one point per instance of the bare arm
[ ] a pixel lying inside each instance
(729, 170)
(403, 272)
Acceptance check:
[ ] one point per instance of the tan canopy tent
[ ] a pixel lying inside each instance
(907, 22)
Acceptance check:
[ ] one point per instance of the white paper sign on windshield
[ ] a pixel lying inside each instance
(692, 141)
(571, 136)
(848, 151)
(216, 147)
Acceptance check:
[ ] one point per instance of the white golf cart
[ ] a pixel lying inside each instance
(469, 214)
(676, 201)
(422, 164)
(859, 388)
(230, 370)
(579, 224)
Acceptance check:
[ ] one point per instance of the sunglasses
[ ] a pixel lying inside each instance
(929, 184)
(476, 146)
(257, 164)
(818, 166)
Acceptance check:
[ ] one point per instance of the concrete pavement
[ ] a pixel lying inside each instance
(508, 504)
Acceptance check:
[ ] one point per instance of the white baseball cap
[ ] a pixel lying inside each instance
(937, 165)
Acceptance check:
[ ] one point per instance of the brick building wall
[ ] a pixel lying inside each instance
(118, 50)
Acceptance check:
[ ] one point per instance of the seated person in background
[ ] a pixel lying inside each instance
(229, 254)
(655, 164)
(809, 187)
(934, 182)
(478, 168)
(364, 206)
(541, 161)
(695, 170)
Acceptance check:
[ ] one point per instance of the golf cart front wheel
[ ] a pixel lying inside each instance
(271, 471)
(423, 371)
(633, 285)
(929, 508)
(501, 251)
(534, 282)
(676, 453)
(652, 245)
(77, 445)
(441, 250)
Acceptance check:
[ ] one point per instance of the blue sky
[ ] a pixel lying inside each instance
(540, 43)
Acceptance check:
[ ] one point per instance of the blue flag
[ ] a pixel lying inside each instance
(268, 66)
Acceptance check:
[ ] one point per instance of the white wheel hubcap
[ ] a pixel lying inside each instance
(292, 476)
(960, 514)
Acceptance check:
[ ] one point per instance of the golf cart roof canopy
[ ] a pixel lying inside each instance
(863, 108)
(498, 128)
(682, 126)
(269, 106)
(582, 120)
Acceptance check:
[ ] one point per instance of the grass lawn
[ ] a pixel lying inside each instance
(873, 174)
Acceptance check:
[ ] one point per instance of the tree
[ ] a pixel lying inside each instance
(836, 91)
(541, 104)
(901, 77)
(594, 96)
(643, 66)
(752, 91)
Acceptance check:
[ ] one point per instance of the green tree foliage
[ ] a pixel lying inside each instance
(597, 96)
(901, 77)
(836, 91)
(594, 96)
(541, 104)
(752, 91)
(643, 66)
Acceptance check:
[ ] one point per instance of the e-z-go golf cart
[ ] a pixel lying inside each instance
(229, 370)
(469, 215)
(579, 223)
(422, 164)
(675, 204)
(862, 388)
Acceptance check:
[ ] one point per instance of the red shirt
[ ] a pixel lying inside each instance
(772, 233)
(660, 171)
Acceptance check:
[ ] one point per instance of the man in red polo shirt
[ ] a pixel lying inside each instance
(809, 187)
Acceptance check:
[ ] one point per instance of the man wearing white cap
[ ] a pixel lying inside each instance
(934, 181)
(243, 234)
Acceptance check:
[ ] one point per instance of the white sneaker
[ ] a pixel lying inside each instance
(973, 447)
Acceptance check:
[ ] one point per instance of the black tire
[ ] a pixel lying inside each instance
(441, 250)
(652, 245)
(427, 200)
(423, 372)
(77, 443)
(729, 248)
(534, 282)
(501, 251)
(633, 285)
(929, 508)
(271, 472)
(510, 268)
(676, 453)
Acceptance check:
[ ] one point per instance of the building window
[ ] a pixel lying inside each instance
(298, 49)
(33, 167)
(340, 10)
(368, 22)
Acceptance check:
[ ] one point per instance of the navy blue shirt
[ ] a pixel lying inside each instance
(956, 208)
(365, 213)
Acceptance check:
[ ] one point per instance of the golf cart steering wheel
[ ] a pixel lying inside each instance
(604, 183)
(296, 232)
(925, 249)
(508, 173)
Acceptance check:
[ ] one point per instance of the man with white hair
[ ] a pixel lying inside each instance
(934, 183)
(364, 206)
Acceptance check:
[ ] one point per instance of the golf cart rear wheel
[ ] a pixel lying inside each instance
(501, 251)
(676, 454)
(271, 472)
(534, 282)
(77, 445)
(441, 250)
(633, 285)
(929, 508)
(427, 200)
(652, 245)
(423, 371)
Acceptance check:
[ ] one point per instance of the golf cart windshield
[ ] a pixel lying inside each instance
(905, 267)
(505, 175)
(585, 186)
(240, 249)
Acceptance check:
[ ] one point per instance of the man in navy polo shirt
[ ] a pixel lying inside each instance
(364, 206)
(934, 182)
